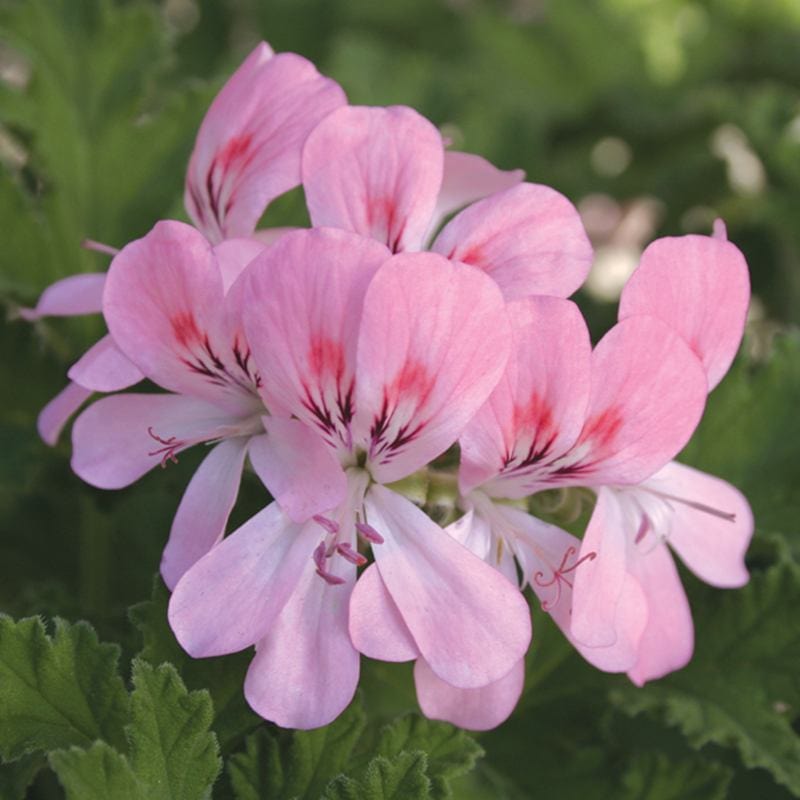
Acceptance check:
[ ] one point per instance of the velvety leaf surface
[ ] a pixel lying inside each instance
(400, 778)
(98, 773)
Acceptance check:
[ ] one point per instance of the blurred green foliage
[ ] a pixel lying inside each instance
(659, 113)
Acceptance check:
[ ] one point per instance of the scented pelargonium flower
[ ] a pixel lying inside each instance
(247, 153)
(171, 308)
(385, 359)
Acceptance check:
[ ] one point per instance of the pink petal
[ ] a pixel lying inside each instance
(468, 178)
(233, 255)
(164, 307)
(105, 368)
(268, 236)
(69, 297)
(55, 415)
(538, 408)
(712, 545)
(204, 509)
(598, 583)
(306, 670)
(374, 171)
(474, 709)
(433, 343)
(119, 438)
(470, 623)
(304, 328)
(249, 144)
(301, 472)
(668, 640)
(699, 286)
(528, 238)
(648, 393)
(377, 628)
(231, 597)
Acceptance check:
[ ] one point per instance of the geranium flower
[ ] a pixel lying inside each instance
(385, 359)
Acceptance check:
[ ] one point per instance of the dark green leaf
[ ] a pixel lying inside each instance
(99, 773)
(400, 778)
(656, 777)
(16, 776)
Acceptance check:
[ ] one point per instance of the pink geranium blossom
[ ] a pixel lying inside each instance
(385, 358)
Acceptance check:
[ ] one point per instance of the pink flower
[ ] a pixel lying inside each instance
(247, 153)
(385, 359)
(171, 303)
(379, 172)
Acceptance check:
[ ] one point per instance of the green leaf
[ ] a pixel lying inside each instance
(99, 773)
(742, 688)
(279, 765)
(400, 778)
(17, 776)
(654, 776)
(172, 751)
(57, 691)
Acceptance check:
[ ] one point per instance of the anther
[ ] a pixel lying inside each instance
(353, 556)
(328, 524)
(369, 533)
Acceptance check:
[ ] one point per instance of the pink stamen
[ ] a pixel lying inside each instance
(333, 580)
(170, 446)
(558, 576)
(369, 533)
(99, 247)
(643, 528)
(346, 551)
(329, 525)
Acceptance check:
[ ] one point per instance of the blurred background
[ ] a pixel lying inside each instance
(653, 116)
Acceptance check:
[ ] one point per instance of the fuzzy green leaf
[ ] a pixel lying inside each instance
(742, 689)
(400, 778)
(16, 776)
(99, 773)
(654, 776)
(57, 691)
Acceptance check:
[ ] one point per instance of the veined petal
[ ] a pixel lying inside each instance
(528, 238)
(433, 343)
(303, 330)
(301, 472)
(377, 628)
(249, 145)
(699, 286)
(450, 600)
(165, 309)
(537, 409)
(204, 509)
(648, 393)
(374, 171)
(468, 178)
(710, 523)
(119, 438)
(105, 368)
(231, 597)
(55, 415)
(233, 255)
(306, 669)
(69, 297)
(668, 639)
(474, 709)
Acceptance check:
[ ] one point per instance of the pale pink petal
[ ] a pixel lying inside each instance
(668, 639)
(165, 309)
(119, 438)
(538, 408)
(231, 597)
(204, 509)
(474, 532)
(699, 286)
(528, 238)
(468, 178)
(648, 394)
(303, 330)
(249, 144)
(377, 628)
(710, 524)
(55, 415)
(474, 709)
(306, 670)
(105, 368)
(301, 472)
(598, 583)
(469, 622)
(374, 171)
(433, 343)
(233, 255)
(69, 297)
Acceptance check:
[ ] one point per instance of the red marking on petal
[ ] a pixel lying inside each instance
(413, 379)
(326, 357)
(474, 256)
(185, 328)
(536, 417)
(602, 428)
(235, 150)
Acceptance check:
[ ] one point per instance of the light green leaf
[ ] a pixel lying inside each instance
(400, 778)
(99, 773)
(57, 691)
(173, 753)
(654, 776)
(742, 688)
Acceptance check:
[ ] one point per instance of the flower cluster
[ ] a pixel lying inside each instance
(422, 314)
